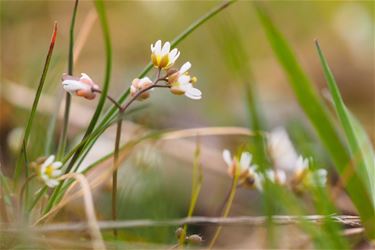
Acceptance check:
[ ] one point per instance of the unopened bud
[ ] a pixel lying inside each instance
(194, 239)
(179, 232)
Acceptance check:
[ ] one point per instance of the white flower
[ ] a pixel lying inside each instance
(281, 150)
(162, 57)
(319, 177)
(83, 86)
(241, 168)
(182, 83)
(301, 165)
(276, 176)
(139, 85)
(49, 171)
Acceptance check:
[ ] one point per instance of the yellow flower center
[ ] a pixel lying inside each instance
(49, 171)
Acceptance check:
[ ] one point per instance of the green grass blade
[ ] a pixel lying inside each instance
(361, 150)
(316, 111)
(68, 97)
(26, 136)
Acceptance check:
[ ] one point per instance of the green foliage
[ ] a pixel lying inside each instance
(316, 111)
(362, 153)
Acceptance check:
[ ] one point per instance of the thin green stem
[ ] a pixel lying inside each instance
(226, 210)
(196, 188)
(64, 134)
(114, 175)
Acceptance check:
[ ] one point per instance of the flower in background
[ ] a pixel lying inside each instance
(49, 171)
(182, 83)
(162, 57)
(242, 168)
(281, 150)
(83, 86)
(139, 85)
(273, 175)
(305, 177)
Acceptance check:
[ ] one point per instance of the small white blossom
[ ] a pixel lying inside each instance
(182, 83)
(161, 56)
(139, 85)
(276, 176)
(281, 150)
(83, 86)
(49, 171)
(241, 168)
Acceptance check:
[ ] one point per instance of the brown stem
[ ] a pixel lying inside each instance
(108, 97)
(155, 85)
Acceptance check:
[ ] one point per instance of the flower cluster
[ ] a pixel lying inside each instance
(178, 80)
(289, 169)
(48, 170)
(163, 58)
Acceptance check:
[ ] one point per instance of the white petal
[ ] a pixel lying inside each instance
(47, 162)
(281, 176)
(227, 157)
(52, 183)
(175, 57)
(72, 86)
(86, 77)
(193, 93)
(157, 48)
(57, 164)
(166, 48)
(245, 160)
(184, 80)
(258, 181)
(185, 68)
(282, 150)
(56, 172)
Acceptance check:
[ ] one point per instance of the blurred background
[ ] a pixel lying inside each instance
(156, 177)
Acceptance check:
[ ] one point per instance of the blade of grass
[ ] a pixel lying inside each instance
(68, 97)
(362, 153)
(23, 153)
(316, 111)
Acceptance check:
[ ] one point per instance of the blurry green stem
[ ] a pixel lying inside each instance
(226, 210)
(196, 188)
(25, 188)
(114, 176)
(63, 139)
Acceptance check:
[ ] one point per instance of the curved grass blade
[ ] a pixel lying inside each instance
(361, 150)
(316, 111)
(23, 153)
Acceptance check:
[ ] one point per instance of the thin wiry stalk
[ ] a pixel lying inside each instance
(196, 187)
(63, 139)
(26, 136)
(114, 175)
(226, 210)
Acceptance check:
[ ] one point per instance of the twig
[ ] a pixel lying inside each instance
(348, 220)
